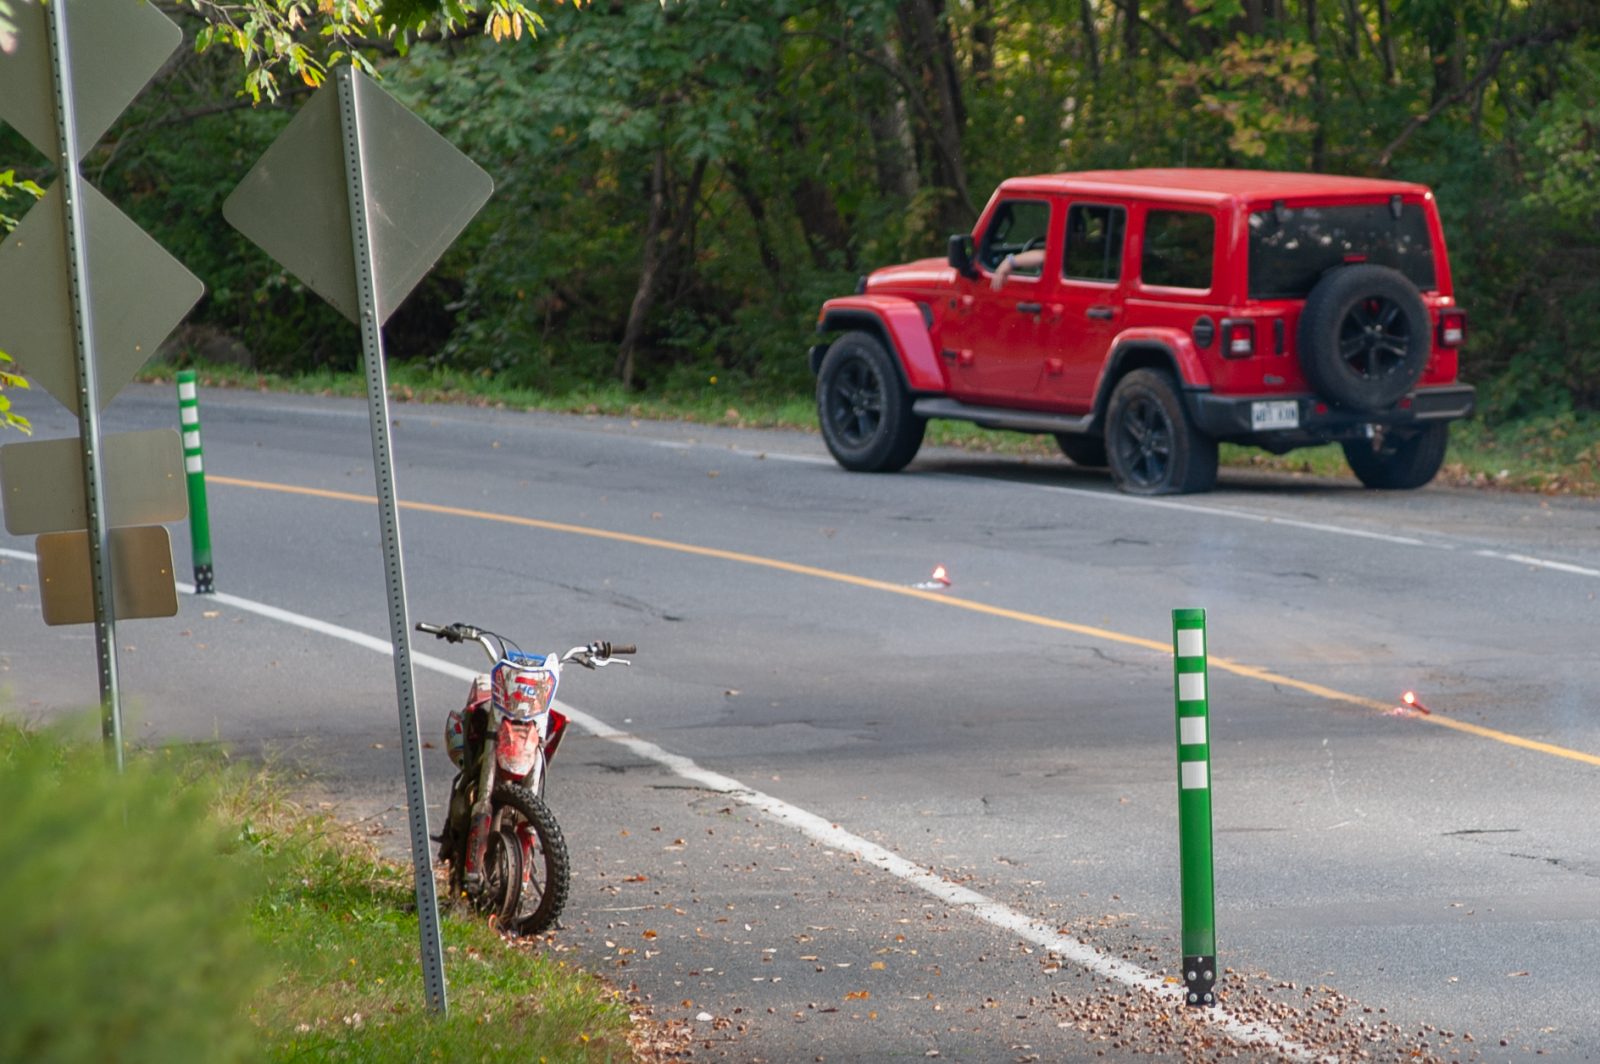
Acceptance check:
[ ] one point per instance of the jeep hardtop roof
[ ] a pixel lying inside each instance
(1210, 186)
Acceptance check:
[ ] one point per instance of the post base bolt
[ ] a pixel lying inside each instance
(204, 583)
(1200, 978)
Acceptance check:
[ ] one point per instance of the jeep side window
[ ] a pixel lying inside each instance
(1094, 243)
(1017, 226)
(1177, 249)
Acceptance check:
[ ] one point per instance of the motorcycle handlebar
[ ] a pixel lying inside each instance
(455, 633)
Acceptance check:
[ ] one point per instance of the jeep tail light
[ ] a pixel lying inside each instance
(1452, 328)
(1238, 339)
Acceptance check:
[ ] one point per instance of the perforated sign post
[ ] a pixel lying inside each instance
(89, 298)
(349, 199)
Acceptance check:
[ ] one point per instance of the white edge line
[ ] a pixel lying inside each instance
(828, 834)
(1523, 559)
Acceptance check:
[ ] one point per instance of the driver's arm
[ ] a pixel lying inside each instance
(1031, 261)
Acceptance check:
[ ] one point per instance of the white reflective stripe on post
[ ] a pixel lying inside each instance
(1191, 730)
(1191, 642)
(186, 390)
(191, 464)
(191, 440)
(1193, 775)
(1191, 687)
(189, 415)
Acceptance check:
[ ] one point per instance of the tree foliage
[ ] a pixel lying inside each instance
(680, 183)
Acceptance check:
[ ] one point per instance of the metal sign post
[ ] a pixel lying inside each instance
(358, 197)
(105, 622)
(389, 523)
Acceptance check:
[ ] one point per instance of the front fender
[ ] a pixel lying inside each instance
(902, 324)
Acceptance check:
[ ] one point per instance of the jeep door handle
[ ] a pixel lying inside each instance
(1030, 308)
(1101, 313)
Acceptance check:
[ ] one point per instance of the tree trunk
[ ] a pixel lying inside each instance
(825, 230)
(982, 41)
(1386, 44)
(644, 294)
(1319, 92)
(932, 58)
(1091, 38)
(658, 252)
(745, 187)
(894, 150)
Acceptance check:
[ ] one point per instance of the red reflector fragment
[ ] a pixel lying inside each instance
(1320, 408)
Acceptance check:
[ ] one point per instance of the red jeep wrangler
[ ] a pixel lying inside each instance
(1142, 316)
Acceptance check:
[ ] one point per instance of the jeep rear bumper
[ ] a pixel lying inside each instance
(1230, 417)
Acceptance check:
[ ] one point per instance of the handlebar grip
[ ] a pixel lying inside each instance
(450, 632)
(623, 648)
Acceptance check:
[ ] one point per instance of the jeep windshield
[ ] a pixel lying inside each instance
(1292, 247)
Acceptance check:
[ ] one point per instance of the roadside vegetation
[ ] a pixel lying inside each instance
(187, 911)
(1554, 454)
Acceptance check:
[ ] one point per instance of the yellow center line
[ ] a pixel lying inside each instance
(1250, 672)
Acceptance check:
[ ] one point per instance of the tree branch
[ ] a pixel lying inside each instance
(1491, 66)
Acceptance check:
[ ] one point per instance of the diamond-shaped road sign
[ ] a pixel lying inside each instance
(420, 193)
(138, 293)
(117, 47)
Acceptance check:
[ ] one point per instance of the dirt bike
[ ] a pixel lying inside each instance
(505, 851)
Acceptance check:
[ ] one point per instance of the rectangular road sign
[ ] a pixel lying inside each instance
(41, 482)
(141, 565)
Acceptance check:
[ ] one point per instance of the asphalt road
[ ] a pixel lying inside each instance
(1385, 882)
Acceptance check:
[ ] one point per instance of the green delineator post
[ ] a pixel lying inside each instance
(1194, 807)
(194, 467)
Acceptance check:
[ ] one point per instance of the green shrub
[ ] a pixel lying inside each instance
(124, 914)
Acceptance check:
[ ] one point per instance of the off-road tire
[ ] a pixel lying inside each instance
(864, 409)
(1403, 460)
(1083, 450)
(552, 870)
(1364, 337)
(1152, 447)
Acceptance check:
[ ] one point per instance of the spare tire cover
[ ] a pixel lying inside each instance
(1364, 337)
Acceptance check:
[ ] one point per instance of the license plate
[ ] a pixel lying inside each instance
(1275, 414)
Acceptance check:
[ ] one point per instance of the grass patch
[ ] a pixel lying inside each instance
(187, 911)
(1553, 454)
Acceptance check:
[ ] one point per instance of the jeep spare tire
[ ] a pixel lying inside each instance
(1364, 337)
(864, 409)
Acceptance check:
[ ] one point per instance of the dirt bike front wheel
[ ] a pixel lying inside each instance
(544, 866)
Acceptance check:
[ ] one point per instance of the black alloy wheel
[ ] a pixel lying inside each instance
(1374, 338)
(864, 409)
(1152, 447)
(855, 402)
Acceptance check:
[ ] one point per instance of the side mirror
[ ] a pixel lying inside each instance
(961, 253)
